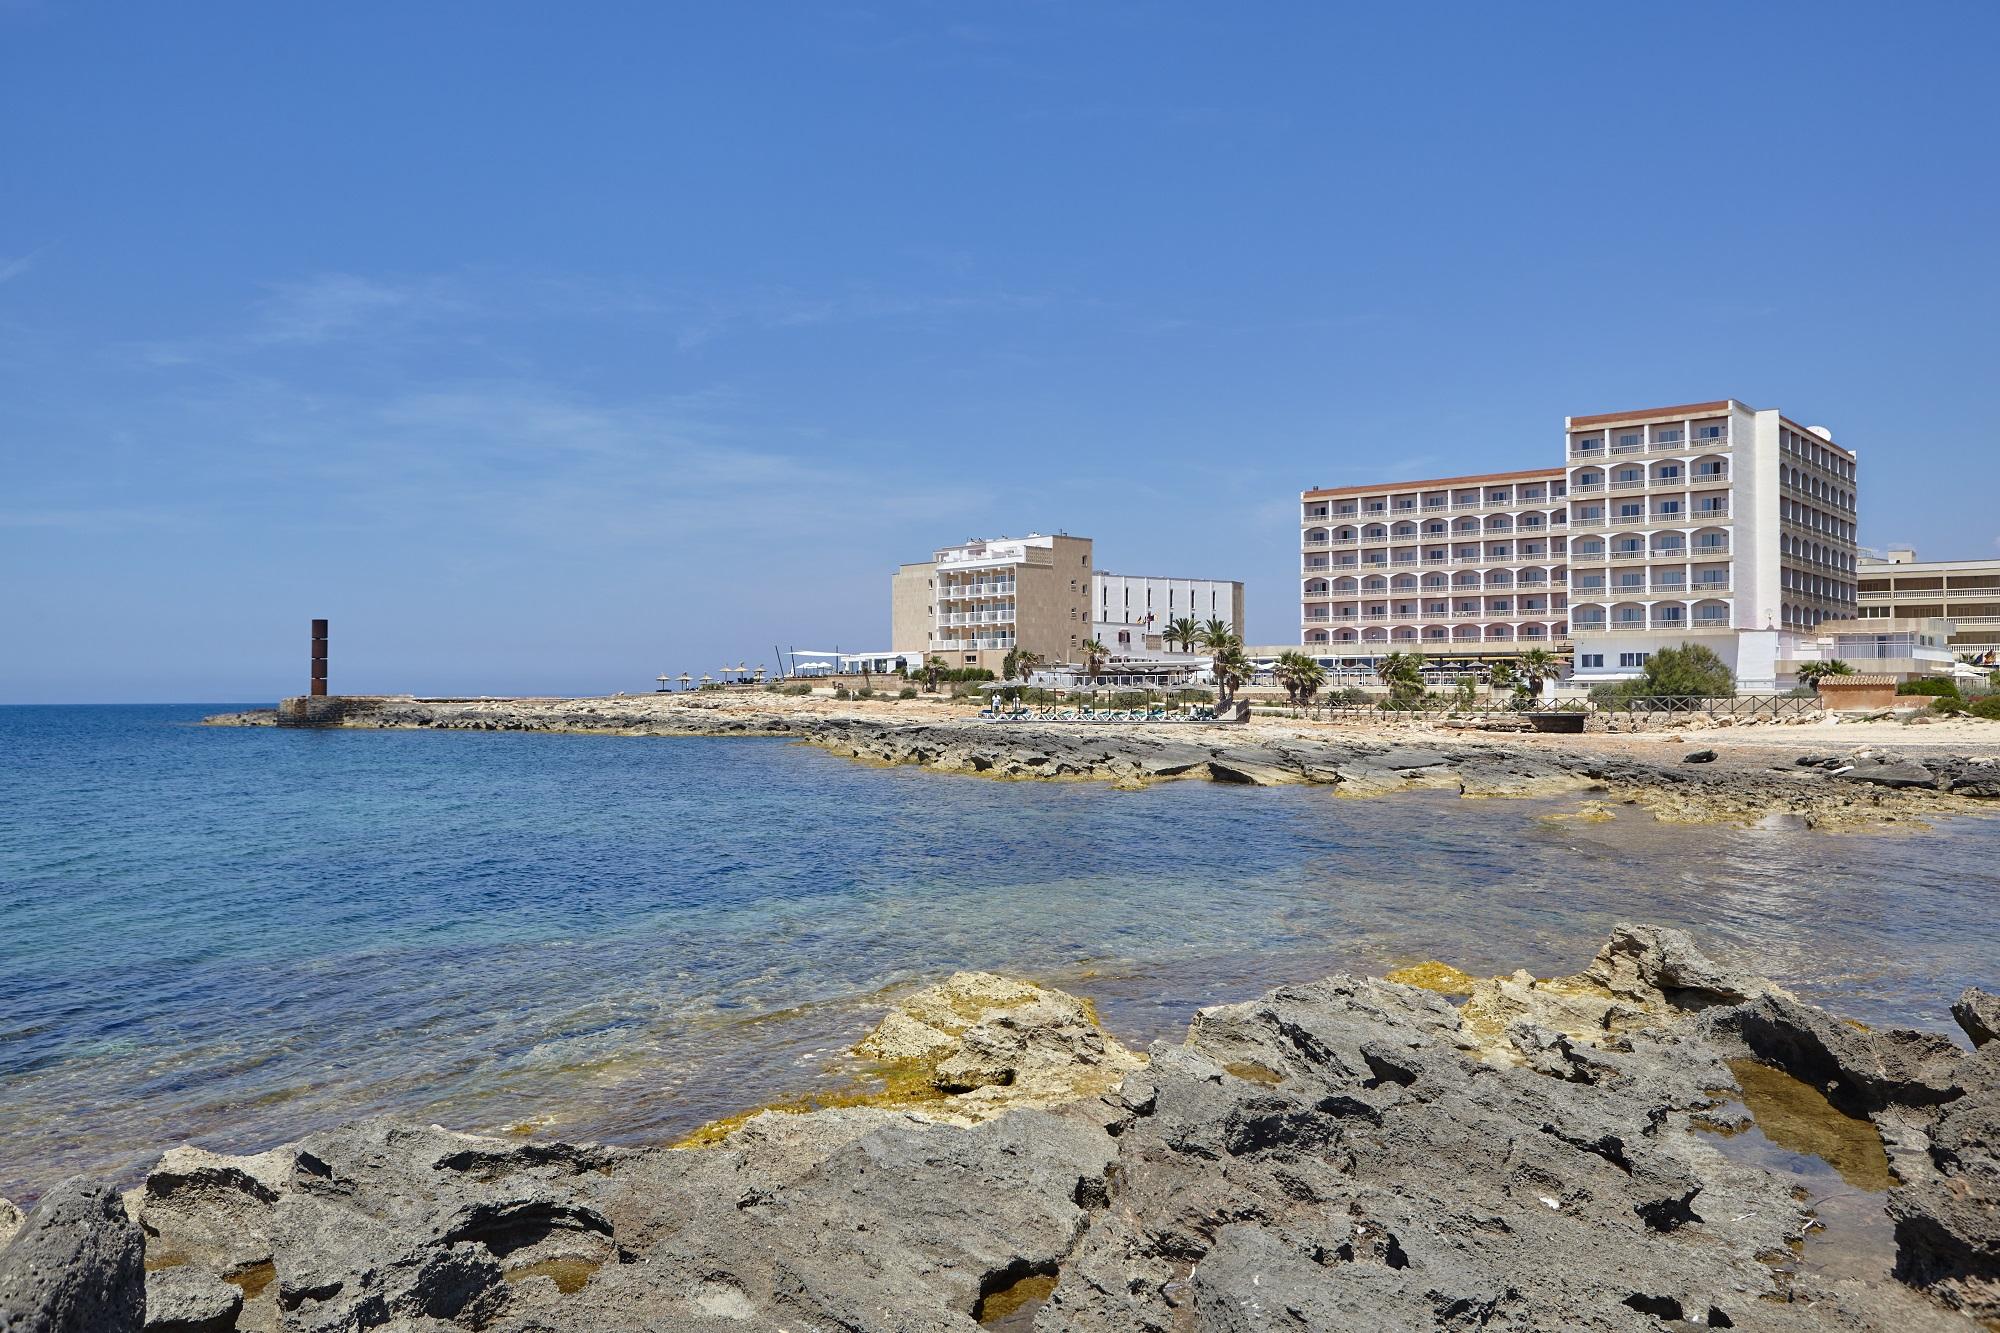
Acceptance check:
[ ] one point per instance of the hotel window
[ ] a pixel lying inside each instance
(1708, 432)
(1629, 439)
(1667, 437)
(1631, 510)
(1632, 659)
(1592, 661)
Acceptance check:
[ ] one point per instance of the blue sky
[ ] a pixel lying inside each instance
(548, 348)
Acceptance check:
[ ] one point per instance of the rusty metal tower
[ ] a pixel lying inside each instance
(319, 657)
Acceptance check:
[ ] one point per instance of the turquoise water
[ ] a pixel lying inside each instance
(233, 936)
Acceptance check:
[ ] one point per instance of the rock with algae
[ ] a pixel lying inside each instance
(1344, 1154)
(964, 1050)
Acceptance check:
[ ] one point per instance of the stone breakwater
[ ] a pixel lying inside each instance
(1863, 787)
(1353, 1153)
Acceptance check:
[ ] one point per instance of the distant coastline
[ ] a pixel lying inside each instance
(1835, 777)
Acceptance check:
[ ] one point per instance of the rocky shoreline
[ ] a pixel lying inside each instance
(1354, 1153)
(1867, 786)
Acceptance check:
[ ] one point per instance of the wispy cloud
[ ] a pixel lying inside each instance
(321, 309)
(777, 309)
(11, 269)
(332, 305)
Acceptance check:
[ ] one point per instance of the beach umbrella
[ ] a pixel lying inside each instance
(685, 678)
(663, 678)
(707, 679)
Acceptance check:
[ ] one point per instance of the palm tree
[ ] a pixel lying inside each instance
(1183, 631)
(1301, 676)
(1537, 667)
(1230, 666)
(1214, 635)
(932, 667)
(1094, 653)
(1812, 673)
(1025, 663)
(1403, 673)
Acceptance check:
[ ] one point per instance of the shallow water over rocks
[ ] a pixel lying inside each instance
(236, 936)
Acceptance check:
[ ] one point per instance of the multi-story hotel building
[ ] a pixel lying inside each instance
(973, 603)
(1456, 563)
(1707, 522)
(1898, 586)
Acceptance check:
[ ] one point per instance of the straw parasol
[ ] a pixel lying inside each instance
(685, 679)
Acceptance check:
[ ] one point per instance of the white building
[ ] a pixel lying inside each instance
(1130, 613)
(1711, 523)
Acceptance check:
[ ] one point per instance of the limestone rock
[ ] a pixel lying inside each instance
(190, 1300)
(993, 1042)
(10, 1221)
(76, 1265)
(1891, 773)
(1947, 1211)
(1978, 1012)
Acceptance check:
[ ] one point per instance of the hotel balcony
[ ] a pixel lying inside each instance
(962, 591)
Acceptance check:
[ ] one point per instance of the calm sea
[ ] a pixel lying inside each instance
(233, 936)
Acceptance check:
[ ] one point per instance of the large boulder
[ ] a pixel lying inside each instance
(1978, 1013)
(1893, 773)
(1947, 1211)
(992, 1043)
(1863, 1072)
(77, 1265)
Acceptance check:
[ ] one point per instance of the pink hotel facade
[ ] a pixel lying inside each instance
(1705, 522)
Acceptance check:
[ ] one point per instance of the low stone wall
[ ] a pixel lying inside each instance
(329, 710)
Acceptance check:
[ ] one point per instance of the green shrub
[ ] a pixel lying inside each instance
(1941, 687)
(907, 692)
(1947, 703)
(1691, 671)
(795, 688)
(865, 692)
(1988, 708)
(842, 692)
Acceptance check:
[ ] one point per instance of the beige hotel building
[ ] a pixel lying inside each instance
(973, 603)
(1705, 522)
